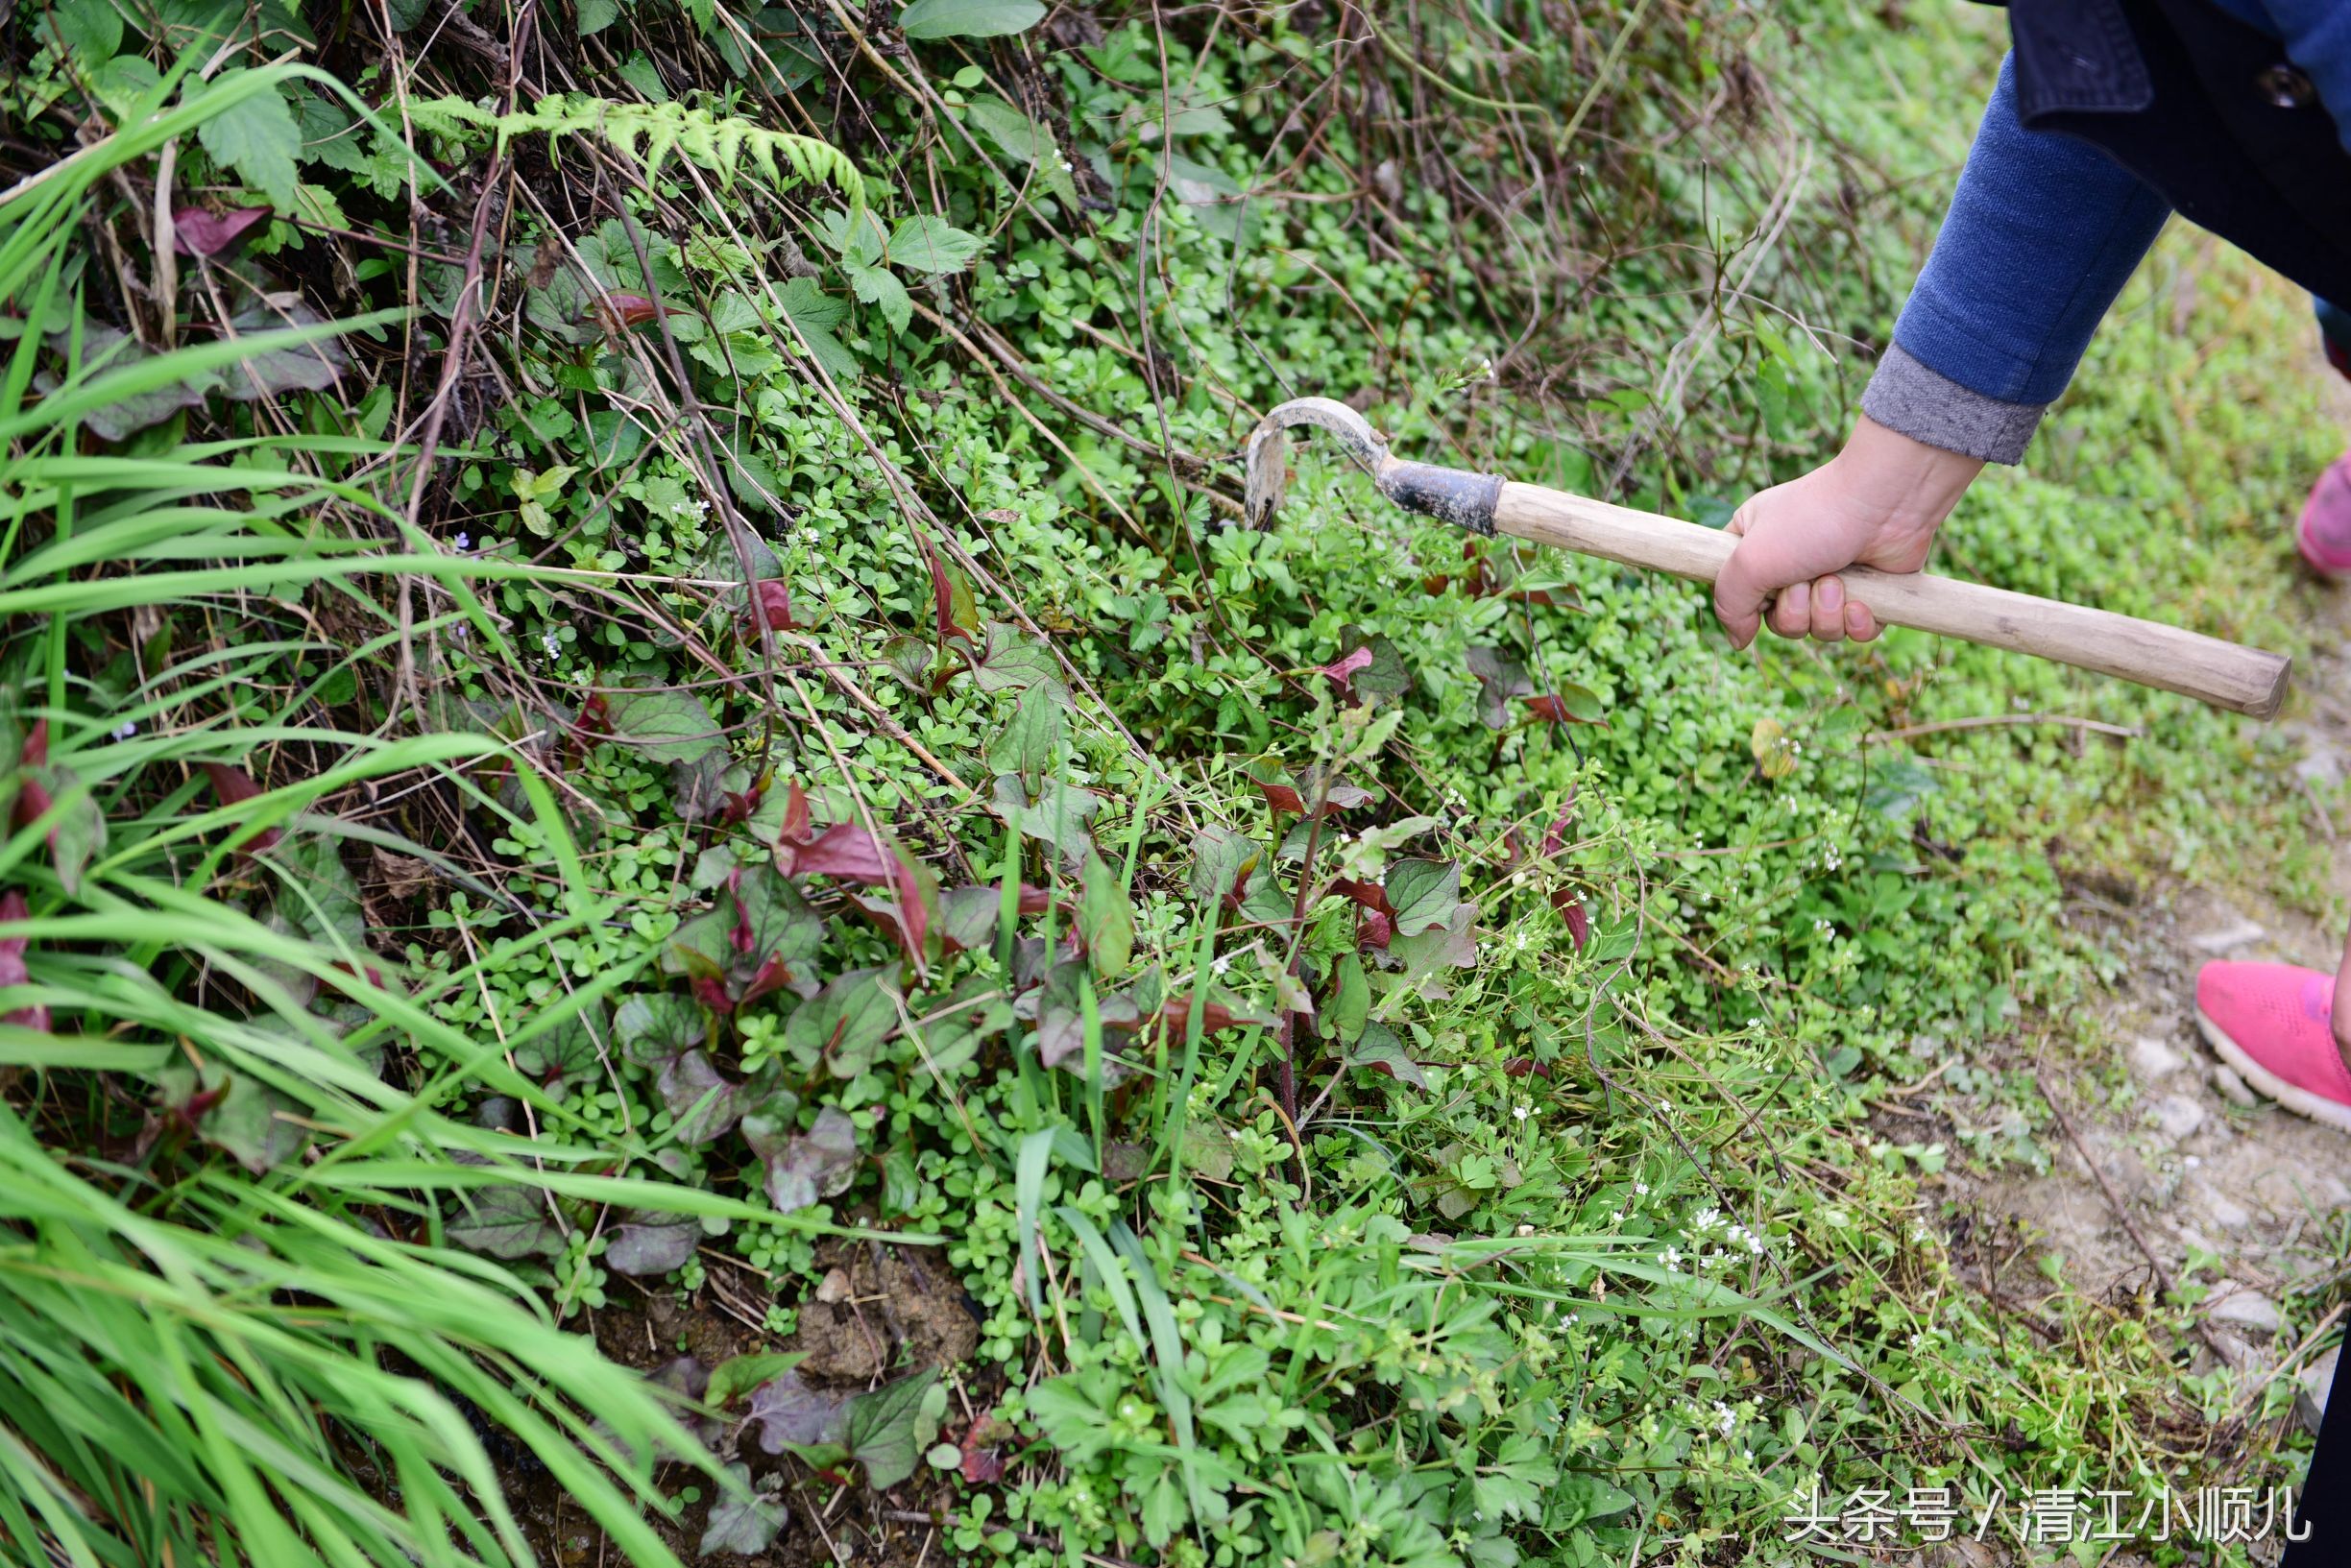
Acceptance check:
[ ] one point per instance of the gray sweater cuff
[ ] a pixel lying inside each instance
(1907, 397)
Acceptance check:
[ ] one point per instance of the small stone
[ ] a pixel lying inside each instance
(2178, 1116)
(2226, 1212)
(2317, 1381)
(2247, 1308)
(2231, 1087)
(834, 1287)
(2154, 1060)
(2227, 938)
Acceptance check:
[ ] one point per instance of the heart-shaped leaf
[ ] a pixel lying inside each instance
(506, 1222)
(742, 1521)
(811, 1166)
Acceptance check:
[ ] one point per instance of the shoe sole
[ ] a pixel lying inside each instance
(2300, 1101)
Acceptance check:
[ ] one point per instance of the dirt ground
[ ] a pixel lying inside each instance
(2194, 1162)
(878, 1313)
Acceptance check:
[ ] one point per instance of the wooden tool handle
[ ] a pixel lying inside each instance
(2224, 674)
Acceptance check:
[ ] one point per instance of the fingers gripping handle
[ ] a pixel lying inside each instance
(2243, 679)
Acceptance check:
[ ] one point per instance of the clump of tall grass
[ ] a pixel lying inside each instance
(228, 1332)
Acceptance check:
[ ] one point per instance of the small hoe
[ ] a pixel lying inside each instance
(2224, 674)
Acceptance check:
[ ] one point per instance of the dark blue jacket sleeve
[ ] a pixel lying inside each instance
(2043, 232)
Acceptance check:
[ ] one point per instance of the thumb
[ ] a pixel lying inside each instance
(1741, 592)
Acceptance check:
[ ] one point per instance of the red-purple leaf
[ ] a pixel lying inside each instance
(1343, 670)
(914, 907)
(983, 1462)
(196, 231)
(632, 309)
(36, 746)
(1579, 919)
(771, 606)
(772, 975)
(846, 851)
(1555, 837)
(1569, 704)
(1282, 798)
(12, 970)
(1214, 1015)
(1520, 1067)
(236, 787)
(1370, 895)
(951, 602)
(1373, 929)
(796, 830)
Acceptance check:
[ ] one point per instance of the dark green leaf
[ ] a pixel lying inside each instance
(1029, 744)
(1423, 894)
(1104, 919)
(665, 726)
(659, 1028)
(506, 1222)
(571, 1048)
(881, 1430)
(843, 1025)
(969, 18)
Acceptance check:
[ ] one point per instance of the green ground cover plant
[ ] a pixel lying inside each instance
(678, 885)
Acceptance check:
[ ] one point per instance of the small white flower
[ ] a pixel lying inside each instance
(1642, 1189)
(1526, 1230)
(1726, 1419)
(1523, 1111)
(1706, 1219)
(546, 641)
(1671, 1258)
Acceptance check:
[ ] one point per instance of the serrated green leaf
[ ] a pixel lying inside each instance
(879, 286)
(257, 137)
(932, 245)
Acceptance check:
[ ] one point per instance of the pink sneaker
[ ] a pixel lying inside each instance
(2325, 533)
(2273, 1023)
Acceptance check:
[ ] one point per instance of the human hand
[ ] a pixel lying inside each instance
(1877, 503)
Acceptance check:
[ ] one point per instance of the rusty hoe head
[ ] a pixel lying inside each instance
(1465, 500)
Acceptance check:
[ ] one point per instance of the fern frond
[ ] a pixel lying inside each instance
(651, 133)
